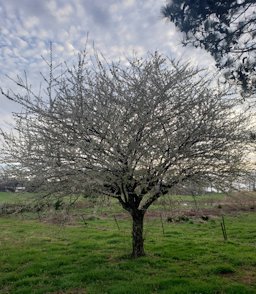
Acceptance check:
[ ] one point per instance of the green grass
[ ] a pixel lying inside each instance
(190, 258)
(12, 197)
(7, 197)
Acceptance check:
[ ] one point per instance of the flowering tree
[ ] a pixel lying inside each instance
(130, 132)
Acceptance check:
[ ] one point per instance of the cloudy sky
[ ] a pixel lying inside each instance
(117, 28)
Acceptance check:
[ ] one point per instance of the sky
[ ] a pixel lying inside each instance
(117, 28)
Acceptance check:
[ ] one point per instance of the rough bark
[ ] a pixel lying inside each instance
(137, 234)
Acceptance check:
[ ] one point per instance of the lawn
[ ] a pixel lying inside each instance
(93, 256)
(9, 197)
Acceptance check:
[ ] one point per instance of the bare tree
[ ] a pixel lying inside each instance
(131, 132)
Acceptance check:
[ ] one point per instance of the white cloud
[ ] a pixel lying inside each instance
(113, 8)
(51, 5)
(31, 22)
(63, 14)
(20, 43)
(128, 3)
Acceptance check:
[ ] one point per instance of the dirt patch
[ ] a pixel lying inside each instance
(249, 278)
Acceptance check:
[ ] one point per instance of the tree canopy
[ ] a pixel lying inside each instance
(226, 29)
(128, 131)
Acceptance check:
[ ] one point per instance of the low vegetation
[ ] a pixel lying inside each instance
(84, 249)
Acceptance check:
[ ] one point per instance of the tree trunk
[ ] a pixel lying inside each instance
(137, 234)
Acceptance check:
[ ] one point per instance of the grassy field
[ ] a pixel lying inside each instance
(92, 256)
(7, 197)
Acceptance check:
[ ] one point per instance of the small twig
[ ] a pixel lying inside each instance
(162, 223)
(223, 228)
(116, 223)
(85, 223)
(39, 216)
